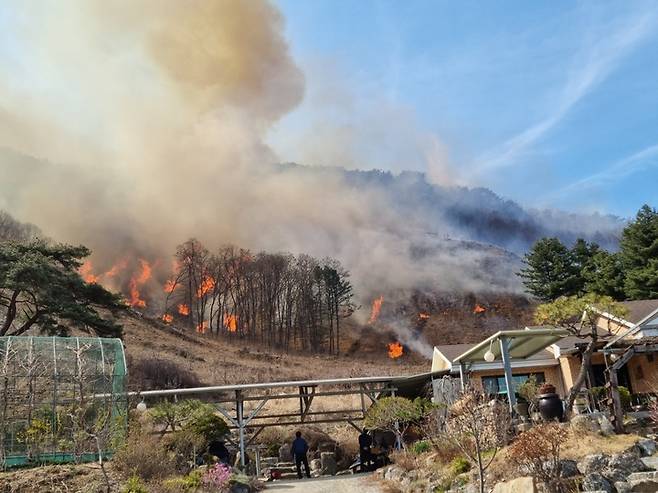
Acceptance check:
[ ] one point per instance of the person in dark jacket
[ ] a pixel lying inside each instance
(298, 451)
(365, 454)
(219, 450)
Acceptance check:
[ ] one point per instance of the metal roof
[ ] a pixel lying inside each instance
(522, 344)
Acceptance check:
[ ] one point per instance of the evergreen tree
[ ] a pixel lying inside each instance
(604, 275)
(639, 255)
(551, 270)
(40, 287)
(582, 254)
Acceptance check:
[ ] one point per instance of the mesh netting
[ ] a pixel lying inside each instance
(62, 399)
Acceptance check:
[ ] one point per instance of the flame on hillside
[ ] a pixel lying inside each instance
(395, 350)
(86, 273)
(169, 286)
(231, 322)
(479, 309)
(136, 281)
(202, 328)
(207, 285)
(183, 309)
(423, 316)
(167, 318)
(376, 308)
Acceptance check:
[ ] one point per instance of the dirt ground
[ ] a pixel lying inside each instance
(340, 484)
(84, 478)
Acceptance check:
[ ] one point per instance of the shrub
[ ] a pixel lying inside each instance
(134, 485)
(600, 394)
(217, 477)
(547, 388)
(404, 459)
(421, 447)
(206, 424)
(193, 415)
(144, 456)
(460, 465)
(529, 389)
(189, 483)
(538, 451)
(156, 373)
(185, 445)
(397, 414)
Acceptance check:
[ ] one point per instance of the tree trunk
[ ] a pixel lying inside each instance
(582, 375)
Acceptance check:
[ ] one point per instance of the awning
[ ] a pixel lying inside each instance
(522, 344)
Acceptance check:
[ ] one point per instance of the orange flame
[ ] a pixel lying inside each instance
(376, 308)
(231, 322)
(167, 318)
(423, 316)
(479, 309)
(136, 281)
(116, 268)
(183, 309)
(202, 328)
(395, 350)
(207, 284)
(86, 274)
(170, 285)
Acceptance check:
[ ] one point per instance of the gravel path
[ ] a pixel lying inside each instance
(361, 483)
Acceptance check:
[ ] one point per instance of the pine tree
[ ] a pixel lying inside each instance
(551, 271)
(604, 275)
(639, 255)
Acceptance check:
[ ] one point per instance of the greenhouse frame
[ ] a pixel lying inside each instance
(62, 399)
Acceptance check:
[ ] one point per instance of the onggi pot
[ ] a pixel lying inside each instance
(550, 407)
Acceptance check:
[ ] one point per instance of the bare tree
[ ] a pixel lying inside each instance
(475, 425)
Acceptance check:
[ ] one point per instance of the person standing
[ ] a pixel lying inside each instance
(298, 450)
(365, 454)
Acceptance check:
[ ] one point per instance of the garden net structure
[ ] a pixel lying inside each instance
(62, 399)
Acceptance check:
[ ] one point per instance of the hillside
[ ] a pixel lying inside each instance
(445, 319)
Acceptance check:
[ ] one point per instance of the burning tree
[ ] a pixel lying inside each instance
(277, 299)
(477, 425)
(40, 287)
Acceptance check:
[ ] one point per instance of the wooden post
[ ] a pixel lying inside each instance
(618, 411)
(507, 366)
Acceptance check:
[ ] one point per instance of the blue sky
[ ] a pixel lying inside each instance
(553, 104)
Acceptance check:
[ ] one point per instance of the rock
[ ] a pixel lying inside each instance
(647, 447)
(621, 466)
(328, 463)
(315, 464)
(327, 447)
(525, 484)
(568, 468)
(346, 472)
(393, 473)
(596, 482)
(650, 462)
(584, 422)
(622, 487)
(644, 481)
(284, 453)
(607, 428)
(592, 463)
(239, 488)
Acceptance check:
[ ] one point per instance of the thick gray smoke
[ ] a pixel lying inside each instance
(135, 125)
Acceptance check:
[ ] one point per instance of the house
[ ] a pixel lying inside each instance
(630, 344)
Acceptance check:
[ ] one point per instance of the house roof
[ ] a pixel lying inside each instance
(639, 309)
(451, 351)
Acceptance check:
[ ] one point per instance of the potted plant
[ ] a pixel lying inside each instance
(528, 394)
(550, 404)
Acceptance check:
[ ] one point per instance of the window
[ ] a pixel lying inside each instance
(497, 385)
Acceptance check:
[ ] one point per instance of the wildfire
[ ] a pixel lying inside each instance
(376, 308)
(395, 350)
(136, 281)
(207, 285)
(423, 316)
(169, 286)
(231, 322)
(479, 309)
(87, 275)
(116, 268)
(167, 318)
(202, 328)
(183, 309)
